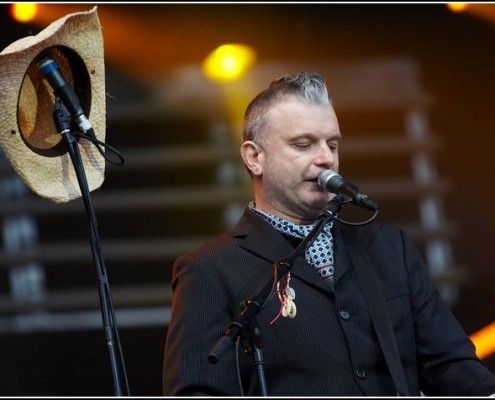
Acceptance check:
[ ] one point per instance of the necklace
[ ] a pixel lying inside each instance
(286, 298)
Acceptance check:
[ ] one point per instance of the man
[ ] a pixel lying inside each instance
(322, 332)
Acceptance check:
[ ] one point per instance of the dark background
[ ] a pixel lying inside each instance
(457, 59)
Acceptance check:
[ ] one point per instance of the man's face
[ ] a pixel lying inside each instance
(299, 140)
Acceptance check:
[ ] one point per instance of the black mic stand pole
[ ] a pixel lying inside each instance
(61, 119)
(246, 323)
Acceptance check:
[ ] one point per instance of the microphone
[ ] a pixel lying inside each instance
(334, 183)
(66, 93)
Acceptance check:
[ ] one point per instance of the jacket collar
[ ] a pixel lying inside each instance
(258, 237)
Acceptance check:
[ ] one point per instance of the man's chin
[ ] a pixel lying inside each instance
(316, 208)
(321, 202)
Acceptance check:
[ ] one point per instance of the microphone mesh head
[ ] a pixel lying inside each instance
(330, 180)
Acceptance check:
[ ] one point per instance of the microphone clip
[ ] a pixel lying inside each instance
(61, 117)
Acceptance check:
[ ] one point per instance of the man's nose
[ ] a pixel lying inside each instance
(325, 156)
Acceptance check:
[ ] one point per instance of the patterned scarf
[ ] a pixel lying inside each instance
(319, 254)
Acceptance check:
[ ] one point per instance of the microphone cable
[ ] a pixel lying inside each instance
(98, 144)
(371, 219)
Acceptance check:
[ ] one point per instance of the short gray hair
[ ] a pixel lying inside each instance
(309, 87)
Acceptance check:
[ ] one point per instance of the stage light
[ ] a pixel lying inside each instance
(23, 12)
(457, 7)
(228, 62)
(484, 341)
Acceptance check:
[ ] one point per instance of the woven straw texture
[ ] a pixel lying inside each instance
(27, 129)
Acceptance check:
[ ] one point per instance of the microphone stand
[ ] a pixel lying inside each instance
(246, 325)
(61, 119)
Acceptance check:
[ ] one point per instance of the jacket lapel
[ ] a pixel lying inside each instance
(259, 237)
(350, 248)
(341, 254)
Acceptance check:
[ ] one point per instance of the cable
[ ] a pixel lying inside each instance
(98, 144)
(238, 366)
(371, 219)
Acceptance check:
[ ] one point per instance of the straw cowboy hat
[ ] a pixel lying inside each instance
(28, 134)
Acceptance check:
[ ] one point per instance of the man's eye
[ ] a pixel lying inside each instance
(301, 145)
(333, 146)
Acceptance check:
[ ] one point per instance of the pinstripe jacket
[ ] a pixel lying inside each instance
(330, 347)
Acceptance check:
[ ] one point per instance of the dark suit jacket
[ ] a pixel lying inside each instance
(330, 347)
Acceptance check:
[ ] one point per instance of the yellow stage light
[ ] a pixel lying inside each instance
(457, 7)
(229, 62)
(484, 340)
(23, 12)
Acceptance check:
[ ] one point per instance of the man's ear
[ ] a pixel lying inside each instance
(253, 157)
